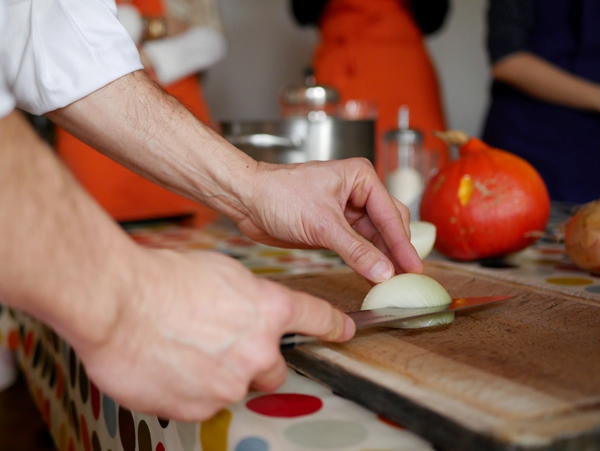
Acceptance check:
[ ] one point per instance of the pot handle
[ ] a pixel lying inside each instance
(264, 140)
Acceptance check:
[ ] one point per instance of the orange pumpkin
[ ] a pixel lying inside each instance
(487, 203)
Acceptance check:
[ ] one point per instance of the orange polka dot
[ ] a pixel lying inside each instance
(61, 439)
(13, 340)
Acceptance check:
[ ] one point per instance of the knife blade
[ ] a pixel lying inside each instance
(388, 315)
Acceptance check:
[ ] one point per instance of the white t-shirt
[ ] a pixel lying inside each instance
(54, 52)
(7, 102)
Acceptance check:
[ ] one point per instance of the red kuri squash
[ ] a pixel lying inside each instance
(487, 203)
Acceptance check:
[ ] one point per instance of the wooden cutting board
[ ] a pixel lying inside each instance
(523, 374)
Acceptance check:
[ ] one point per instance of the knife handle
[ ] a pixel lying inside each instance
(289, 341)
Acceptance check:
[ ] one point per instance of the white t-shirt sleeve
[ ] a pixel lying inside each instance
(7, 102)
(55, 52)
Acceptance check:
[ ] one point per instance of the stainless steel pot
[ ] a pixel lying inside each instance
(301, 139)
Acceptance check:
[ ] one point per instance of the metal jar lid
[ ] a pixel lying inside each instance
(404, 136)
(308, 93)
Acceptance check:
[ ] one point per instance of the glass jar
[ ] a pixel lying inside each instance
(407, 166)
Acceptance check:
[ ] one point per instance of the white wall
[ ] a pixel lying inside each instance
(459, 54)
(267, 50)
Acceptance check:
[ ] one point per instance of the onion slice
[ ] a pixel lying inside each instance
(422, 237)
(411, 291)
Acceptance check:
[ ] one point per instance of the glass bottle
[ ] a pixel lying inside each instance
(403, 163)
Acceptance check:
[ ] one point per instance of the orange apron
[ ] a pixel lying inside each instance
(125, 195)
(373, 50)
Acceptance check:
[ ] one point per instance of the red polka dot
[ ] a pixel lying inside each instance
(141, 239)
(28, 343)
(60, 382)
(85, 435)
(285, 405)
(160, 447)
(95, 396)
(390, 422)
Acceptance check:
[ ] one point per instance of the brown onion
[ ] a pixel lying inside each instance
(582, 237)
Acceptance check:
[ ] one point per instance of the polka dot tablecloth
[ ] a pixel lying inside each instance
(544, 265)
(222, 236)
(301, 415)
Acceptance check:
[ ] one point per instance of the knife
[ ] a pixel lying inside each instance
(387, 315)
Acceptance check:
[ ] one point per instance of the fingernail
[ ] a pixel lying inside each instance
(349, 328)
(381, 272)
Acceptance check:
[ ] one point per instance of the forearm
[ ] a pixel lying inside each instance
(542, 80)
(64, 260)
(336, 205)
(137, 124)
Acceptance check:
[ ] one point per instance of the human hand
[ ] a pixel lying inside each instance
(340, 205)
(198, 331)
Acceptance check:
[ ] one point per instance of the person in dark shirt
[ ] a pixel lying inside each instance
(545, 57)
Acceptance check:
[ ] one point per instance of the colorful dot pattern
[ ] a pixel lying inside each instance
(542, 265)
(300, 414)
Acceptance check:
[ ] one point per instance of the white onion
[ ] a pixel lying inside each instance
(411, 291)
(422, 237)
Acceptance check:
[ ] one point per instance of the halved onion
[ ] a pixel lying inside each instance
(411, 291)
(422, 237)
